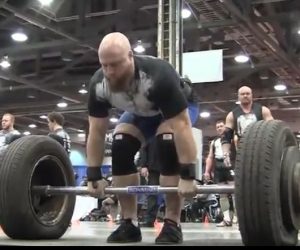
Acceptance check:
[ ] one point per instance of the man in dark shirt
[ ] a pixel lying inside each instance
(150, 92)
(55, 124)
(240, 117)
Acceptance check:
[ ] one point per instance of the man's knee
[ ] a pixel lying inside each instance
(167, 154)
(124, 148)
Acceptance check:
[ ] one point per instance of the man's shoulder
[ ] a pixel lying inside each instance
(151, 64)
(61, 132)
(98, 76)
(15, 132)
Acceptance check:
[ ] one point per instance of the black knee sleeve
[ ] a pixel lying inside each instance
(124, 148)
(166, 154)
(230, 200)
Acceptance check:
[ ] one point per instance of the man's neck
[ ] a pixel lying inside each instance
(8, 130)
(247, 106)
(56, 127)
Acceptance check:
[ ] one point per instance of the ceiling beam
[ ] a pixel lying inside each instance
(36, 85)
(262, 38)
(44, 25)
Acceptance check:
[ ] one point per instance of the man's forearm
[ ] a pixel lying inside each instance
(185, 145)
(208, 165)
(95, 150)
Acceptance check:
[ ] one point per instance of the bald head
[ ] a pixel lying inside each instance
(244, 89)
(116, 58)
(114, 43)
(245, 95)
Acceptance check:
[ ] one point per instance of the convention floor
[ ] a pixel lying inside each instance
(95, 234)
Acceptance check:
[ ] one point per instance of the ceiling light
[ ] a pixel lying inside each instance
(80, 130)
(83, 90)
(298, 136)
(81, 135)
(298, 31)
(43, 117)
(185, 13)
(241, 58)
(204, 114)
(114, 119)
(19, 37)
(218, 43)
(238, 102)
(280, 87)
(45, 2)
(139, 48)
(62, 104)
(32, 126)
(5, 63)
(26, 133)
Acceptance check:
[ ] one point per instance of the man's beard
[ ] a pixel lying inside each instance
(246, 102)
(117, 85)
(120, 84)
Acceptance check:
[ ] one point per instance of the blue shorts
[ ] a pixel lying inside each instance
(149, 125)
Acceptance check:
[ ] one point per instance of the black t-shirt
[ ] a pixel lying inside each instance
(156, 89)
(242, 119)
(66, 139)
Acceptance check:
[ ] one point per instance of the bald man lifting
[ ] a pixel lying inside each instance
(155, 103)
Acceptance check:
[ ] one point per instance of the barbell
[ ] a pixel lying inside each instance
(207, 189)
(37, 187)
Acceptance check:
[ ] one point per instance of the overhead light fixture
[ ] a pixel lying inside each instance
(218, 43)
(185, 13)
(45, 2)
(114, 119)
(5, 62)
(19, 36)
(83, 90)
(139, 48)
(26, 133)
(81, 135)
(298, 32)
(241, 58)
(280, 87)
(205, 114)
(80, 130)
(43, 117)
(238, 102)
(62, 104)
(32, 126)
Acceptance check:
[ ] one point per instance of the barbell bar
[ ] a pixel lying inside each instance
(64, 190)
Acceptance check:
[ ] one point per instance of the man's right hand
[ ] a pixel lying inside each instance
(227, 161)
(206, 176)
(96, 188)
(144, 172)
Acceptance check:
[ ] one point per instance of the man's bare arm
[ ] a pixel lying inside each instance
(229, 124)
(209, 161)
(95, 141)
(266, 113)
(183, 137)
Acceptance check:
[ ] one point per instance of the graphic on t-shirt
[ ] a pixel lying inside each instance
(243, 122)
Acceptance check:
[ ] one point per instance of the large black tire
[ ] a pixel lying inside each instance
(257, 184)
(35, 160)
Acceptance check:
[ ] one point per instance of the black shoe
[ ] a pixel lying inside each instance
(126, 232)
(147, 224)
(170, 233)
